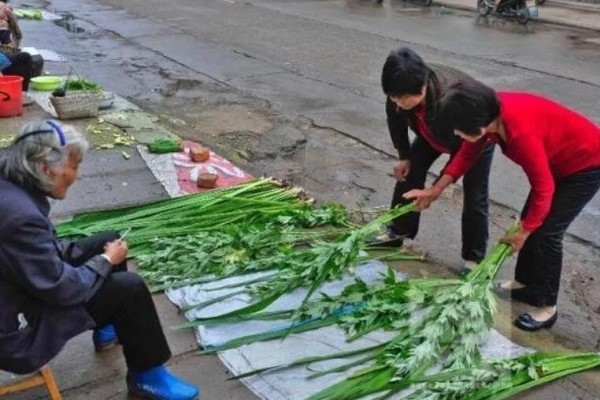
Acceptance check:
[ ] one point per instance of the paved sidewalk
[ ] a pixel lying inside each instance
(561, 12)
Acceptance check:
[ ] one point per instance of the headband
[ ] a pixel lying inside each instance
(55, 129)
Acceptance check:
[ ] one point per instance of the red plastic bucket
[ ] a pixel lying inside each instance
(11, 96)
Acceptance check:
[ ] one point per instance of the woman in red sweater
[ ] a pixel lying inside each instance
(559, 151)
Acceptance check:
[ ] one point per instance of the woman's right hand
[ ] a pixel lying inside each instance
(116, 251)
(401, 170)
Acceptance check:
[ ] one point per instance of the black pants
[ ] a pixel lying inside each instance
(539, 263)
(125, 301)
(37, 66)
(5, 36)
(21, 65)
(475, 207)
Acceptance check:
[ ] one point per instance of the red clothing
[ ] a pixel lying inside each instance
(426, 133)
(548, 140)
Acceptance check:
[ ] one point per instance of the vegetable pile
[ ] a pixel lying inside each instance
(257, 201)
(83, 84)
(28, 14)
(437, 324)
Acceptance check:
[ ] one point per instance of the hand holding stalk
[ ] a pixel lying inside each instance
(517, 239)
(424, 197)
(116, 251)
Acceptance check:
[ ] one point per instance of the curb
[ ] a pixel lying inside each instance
(551, 20)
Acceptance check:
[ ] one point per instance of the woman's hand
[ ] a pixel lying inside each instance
(516, 240)
(116, 251)
(401, 170)
(423, 198)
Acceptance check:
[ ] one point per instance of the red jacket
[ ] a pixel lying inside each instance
(548, 140)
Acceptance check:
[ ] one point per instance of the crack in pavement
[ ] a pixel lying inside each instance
(313, 124)
(367, 188)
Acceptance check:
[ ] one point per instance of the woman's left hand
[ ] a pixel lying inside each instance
(516, 240)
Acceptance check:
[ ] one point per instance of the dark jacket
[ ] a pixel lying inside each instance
(440, 79)
(42, 298)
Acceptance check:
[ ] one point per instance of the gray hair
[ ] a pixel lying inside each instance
(39, 143)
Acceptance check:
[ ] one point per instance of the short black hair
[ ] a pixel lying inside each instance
(469, 106)
(404, 72)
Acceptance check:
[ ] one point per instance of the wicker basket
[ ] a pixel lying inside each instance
(76, 104)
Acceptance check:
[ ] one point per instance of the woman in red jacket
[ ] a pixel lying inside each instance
(559, 151)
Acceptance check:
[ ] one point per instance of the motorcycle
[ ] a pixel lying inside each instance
(509, 8)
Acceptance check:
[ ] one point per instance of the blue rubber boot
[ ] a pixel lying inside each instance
(105, 337)
(159, 384)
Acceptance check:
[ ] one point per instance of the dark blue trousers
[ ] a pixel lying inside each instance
(475, 204)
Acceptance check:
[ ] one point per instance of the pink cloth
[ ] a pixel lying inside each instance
(188, 170)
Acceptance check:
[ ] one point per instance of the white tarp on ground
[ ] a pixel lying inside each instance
(292, 384)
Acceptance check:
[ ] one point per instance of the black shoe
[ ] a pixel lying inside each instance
(527, 323)
(389, 238)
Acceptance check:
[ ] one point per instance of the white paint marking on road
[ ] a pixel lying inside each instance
(595, 40)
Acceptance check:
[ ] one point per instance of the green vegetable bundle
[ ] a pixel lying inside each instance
(359, 309)
(450, 332)
(28, 14)
(307, 267)
(236, 249)
(83, 84)
(501, 379)
(260, 200)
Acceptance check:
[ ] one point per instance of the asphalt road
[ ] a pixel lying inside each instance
(322, 60)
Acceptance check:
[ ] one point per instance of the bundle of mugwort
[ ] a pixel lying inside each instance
(260, 226)
(458, 314)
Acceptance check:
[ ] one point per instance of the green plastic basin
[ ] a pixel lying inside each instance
(46, 83)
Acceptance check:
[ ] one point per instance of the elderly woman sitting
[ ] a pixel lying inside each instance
(51, 291)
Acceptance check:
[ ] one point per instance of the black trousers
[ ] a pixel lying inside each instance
(475, 205)
(125, 301)
(539, 263)
(21, 65)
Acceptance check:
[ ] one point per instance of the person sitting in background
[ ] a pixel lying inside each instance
(10, 33)
(51, 291)
(19, 64)
(24, 64)
(559, 151)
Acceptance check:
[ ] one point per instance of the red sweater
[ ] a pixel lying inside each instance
(426, 133)
(548, 140)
